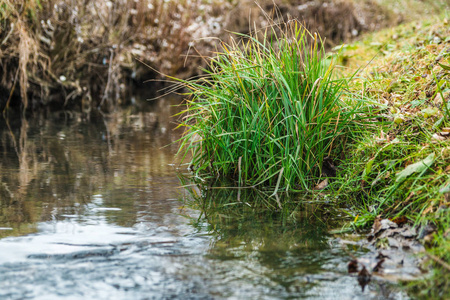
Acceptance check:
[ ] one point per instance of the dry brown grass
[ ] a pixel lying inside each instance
(83, 53)
(338, 20)
(61, 51)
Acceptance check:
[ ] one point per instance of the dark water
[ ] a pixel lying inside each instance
(91, 207)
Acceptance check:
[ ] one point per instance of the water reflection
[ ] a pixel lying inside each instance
(253, 223)
(53, 165)
(259, 251)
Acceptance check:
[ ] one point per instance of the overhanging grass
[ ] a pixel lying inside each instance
(269, 111)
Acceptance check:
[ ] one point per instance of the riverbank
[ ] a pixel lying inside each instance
(396, 169)
(399, 169)
(263, 121)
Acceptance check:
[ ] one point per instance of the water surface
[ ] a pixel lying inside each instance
(91, 207)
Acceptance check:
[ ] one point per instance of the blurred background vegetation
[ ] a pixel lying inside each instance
(80, 54)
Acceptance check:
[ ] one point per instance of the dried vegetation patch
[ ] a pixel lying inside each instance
(60, 52)
(83, 53)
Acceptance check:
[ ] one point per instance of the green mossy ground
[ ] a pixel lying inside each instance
(400, 167)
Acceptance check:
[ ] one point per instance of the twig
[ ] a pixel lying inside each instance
(438, 260)
(11, 92)
(9, 33)
(106, 93)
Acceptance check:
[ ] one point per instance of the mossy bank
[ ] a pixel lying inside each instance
(400, 169)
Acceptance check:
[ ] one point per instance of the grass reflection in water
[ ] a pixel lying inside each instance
(245, 226)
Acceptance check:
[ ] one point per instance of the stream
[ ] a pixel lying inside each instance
(96, 206)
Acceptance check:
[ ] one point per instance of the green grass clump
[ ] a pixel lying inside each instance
(268, 112)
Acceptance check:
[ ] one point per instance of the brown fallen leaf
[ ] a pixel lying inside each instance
(402, 220)
(428, 210)
(378, 266)
(375, 228)
(438, 137)
(322, 185)
(353, 266)
(382, 255)
(376, 224)
(363, 278)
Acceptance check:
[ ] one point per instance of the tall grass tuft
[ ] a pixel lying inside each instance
(268, 112)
